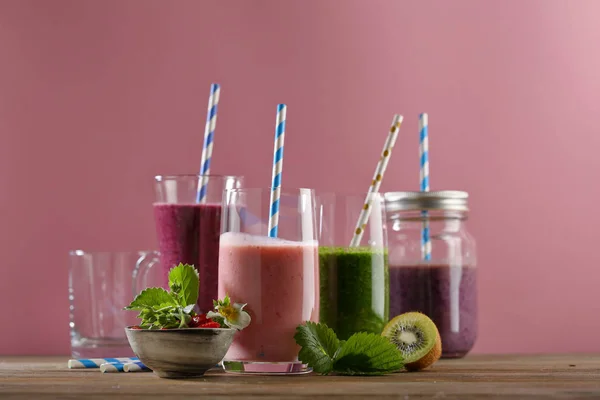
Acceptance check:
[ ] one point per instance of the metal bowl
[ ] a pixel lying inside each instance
(180, 353)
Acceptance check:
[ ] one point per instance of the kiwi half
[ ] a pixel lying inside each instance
(417, 338)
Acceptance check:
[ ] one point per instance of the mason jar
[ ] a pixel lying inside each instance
(432, 264)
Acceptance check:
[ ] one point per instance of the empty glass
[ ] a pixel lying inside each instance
(100, 285)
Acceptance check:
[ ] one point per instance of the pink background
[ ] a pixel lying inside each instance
(96, 97)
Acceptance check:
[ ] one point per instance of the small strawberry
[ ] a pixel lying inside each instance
(135, 327)
(198, 320)
(211, 324)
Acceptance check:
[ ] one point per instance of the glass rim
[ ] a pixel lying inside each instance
(160, 178)
(81, 252)
(350, 194)
(270, 188)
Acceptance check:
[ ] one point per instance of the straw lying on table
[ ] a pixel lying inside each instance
(209, 132)
(424, 182)
(111, 367)
(135, 366)
(376, 182)
(277, 170)
(96, 362)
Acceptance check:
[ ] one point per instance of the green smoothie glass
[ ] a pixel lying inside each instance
(354, 281)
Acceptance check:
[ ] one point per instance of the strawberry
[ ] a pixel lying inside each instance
(135, 327)
(198, 320)
(210, 324)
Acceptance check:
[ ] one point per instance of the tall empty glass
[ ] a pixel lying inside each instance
(277, 277)
(188, 231)
(354, 280)
(100, 285)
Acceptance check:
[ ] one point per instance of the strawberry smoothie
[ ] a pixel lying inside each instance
(279, 281)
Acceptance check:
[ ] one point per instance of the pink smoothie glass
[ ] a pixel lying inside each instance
(278, 278)
(187, 231)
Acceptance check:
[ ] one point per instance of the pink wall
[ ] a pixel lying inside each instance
(96, 97)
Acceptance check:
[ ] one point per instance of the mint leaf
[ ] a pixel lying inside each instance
(151, 297)
(367, 354)
(165, 306)
(319, 345)
(184, 282)
(161, 309)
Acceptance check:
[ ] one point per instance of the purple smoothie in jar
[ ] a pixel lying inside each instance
(447, 295)
(189, 234)
(442, 284)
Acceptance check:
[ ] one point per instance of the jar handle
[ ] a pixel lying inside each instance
(143, 265)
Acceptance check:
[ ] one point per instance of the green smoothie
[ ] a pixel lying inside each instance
(355, 286)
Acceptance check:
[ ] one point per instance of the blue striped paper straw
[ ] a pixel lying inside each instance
(96, 362)
(209, 133)
(111, 367)
(424, 181)
(136, 366)
(277, 169)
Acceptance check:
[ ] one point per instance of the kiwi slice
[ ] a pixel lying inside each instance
(417, 338)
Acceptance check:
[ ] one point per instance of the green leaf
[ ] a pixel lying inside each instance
(367, 354)
(222, 303)
(319, 345)
(184, 280)
(165, 307)
(151, 297)
(219, 320)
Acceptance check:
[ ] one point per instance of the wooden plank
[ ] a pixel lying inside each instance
(490, 377)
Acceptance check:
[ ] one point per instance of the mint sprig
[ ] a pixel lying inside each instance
(362, 354)
(184, 282)
(150, 298)
(367, 354)
(319, 345)
(160, 308)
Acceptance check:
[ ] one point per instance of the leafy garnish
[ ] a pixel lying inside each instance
(161, 309)
(169, 309)
(319, 345)
(362, 354)
(151, 297)
(367, 354)
(184, 282)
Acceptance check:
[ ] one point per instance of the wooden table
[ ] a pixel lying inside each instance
(496, 377)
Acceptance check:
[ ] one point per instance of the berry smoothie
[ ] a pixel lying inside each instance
(447, 294)
(189, 234)
(278, 279)
(354, 289)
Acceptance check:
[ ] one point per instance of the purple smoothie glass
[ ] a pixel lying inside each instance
(445, 286)
(188, 231)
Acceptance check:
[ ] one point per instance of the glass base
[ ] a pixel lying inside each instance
(454, 354)
(266, 368)
(100, 348)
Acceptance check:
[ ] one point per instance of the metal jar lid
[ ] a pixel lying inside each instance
(450, 200)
